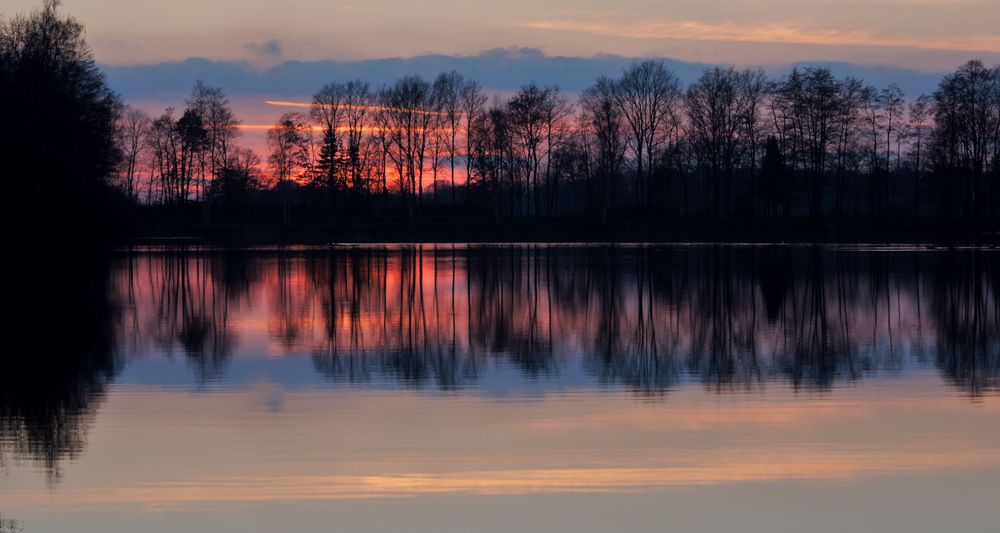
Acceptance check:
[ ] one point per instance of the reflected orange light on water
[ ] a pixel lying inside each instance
(508, 482)
(305, 456)
(412, 371)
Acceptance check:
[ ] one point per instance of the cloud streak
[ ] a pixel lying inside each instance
(777, 32)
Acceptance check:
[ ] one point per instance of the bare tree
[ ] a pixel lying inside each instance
(133, 127)
(221, 129)
(408, 117)
(920, 113)
(808, 105)
(437, 138)
(722, 110)
(528, 110)
(854, 96)
(357, 108)
(646, 93)
(288, 142)
(967, 137)
(449, 87)
(602, 117)
(873, 125)
(893, 107)
(492, 158)
(176, 147)
(194, 144)
(164, 145)
(472, 103)
(558, 145)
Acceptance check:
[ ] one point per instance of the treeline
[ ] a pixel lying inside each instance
(732, 145)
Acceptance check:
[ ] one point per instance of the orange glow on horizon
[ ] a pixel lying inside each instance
(308, 105)
(775, 32)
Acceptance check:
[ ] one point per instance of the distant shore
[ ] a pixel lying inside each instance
(561, 231)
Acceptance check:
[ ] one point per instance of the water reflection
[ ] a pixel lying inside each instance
(966, 309)
(61, 332)
(647, 319)
(180, 301)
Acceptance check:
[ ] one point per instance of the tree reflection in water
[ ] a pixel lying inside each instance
(644, 318)
(61, 329)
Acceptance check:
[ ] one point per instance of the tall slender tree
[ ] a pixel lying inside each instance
(288, 142)
(647, 93)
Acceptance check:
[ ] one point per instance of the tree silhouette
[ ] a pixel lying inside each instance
(58, 146)
(288, 142)
(774, 179)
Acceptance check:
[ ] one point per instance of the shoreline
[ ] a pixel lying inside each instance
(560, 232)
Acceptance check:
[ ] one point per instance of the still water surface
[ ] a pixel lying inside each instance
(510, 388)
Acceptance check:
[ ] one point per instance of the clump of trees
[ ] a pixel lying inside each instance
(966, 141)
(58, 146)
(187, 158)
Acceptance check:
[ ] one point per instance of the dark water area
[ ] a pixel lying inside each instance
(453, 388)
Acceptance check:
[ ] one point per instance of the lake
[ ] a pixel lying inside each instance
(454, 388)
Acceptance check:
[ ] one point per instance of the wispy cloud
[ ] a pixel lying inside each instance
(265, 54)
(776, 32)
(271, 49)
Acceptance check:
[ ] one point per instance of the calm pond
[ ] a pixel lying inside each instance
(448, 388)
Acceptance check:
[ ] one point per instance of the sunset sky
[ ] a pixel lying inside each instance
(918, 34)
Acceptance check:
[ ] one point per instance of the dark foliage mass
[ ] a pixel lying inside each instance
(59, 154)
(58, 141)
(60, 357)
